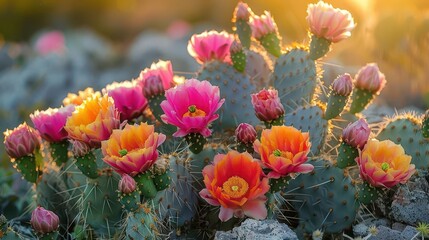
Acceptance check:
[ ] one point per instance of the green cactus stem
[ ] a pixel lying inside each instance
(346, 155)
(276, 122)
(336, 104)
(130, 201)
(161, 181)
(277, 185)
(59, 151)
(244, 32)
(319, 47)
(271, 43)
(146, 185)
(87, 165)
(195, 142)
(425, 125)
(360, 99)
(239, 60)
(30, 166)
(49, 236)
(367, 193)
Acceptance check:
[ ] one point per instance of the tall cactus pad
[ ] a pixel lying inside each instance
(319, 47)
(142, 224)
(177, 204)
(244, 32)
(367, 193)
(272, 43)
(360, 99)
(88, 165)
(100, 208)
(346, 155)
(324, 199)
(406, 130)
(258, 67)
(295, 77)
(336, 104)
(146, 185)
(310, 119)
(28, 166)
(236, 88)
(59, 151)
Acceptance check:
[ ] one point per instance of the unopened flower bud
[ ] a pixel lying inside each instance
(21, 141)
(267, 105)
(370, 78)
(262, 25)
(153, 86)
(242, 11)
(236, 47)
(343, 85)
(245, 133)
(44, 221)
(356, 134)
(127, 184)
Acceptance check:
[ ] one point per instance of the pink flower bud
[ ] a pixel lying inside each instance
(245, 133)
(267, 105)
(236, 47)
(79, 148)
(262, 25)
(356, 134)
(44, 221)
(127, 184)
(153, 87)
(21, 141)
(242, 11)
(370, 78)
(343, 85)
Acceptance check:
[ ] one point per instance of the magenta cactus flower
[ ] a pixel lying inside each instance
(50, 123)
(370, 78)
(245, 133)
(328, 22)
(262, 25)
(128, 98)
(50, 42)
(21, 141)
(211, 45)
(356, 134)
(162, 70)
(127, 184)
(44, 221)
(191, 107)
(267, 105)
(343, 85)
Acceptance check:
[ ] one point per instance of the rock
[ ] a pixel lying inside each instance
(409, 232)
(385, 233)
(398, 226)
(259, 230)
(411, 202)
(360, 229)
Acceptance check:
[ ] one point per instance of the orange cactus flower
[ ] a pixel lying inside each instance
(77, 99)
(93, 121)
(284, 150)
(133, 149)
(384, 164)
(236, 183)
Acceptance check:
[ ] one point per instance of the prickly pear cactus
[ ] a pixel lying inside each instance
(236, 88)
(407, 131)
(142, 224)
(258, 67)
(295, 77)
(324, 199)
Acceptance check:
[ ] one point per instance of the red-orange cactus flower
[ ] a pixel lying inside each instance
(284, 150)
(93, 121)
(133, 149)
(236, 183)
(384, 164)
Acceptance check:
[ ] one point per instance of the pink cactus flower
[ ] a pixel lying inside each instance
(44, 221)
(245, 133)
(267, 105)
(370, 78)
(50, 123)
(132, 150)
(262, 25)
(128, 98)
(127, 184)
(191, 107)
(50, 42)
(384, 164)
(242, 11)
(328, 22)
(356, 134)
(162, 70)
(343, 85)
(21, 141)
(211, 45)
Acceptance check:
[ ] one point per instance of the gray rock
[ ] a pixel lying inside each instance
(411, 204)
(385, 233)
(360, 229)
(409, 232)
(398, 226)
(259, 230)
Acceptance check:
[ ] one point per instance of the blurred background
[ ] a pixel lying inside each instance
(106, 41)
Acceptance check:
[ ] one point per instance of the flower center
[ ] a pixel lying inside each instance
(235, 187)
(123, 152)
(279, 153)
(385, 166)
(193, 111)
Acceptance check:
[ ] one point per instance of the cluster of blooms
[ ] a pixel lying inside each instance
(237, 182)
